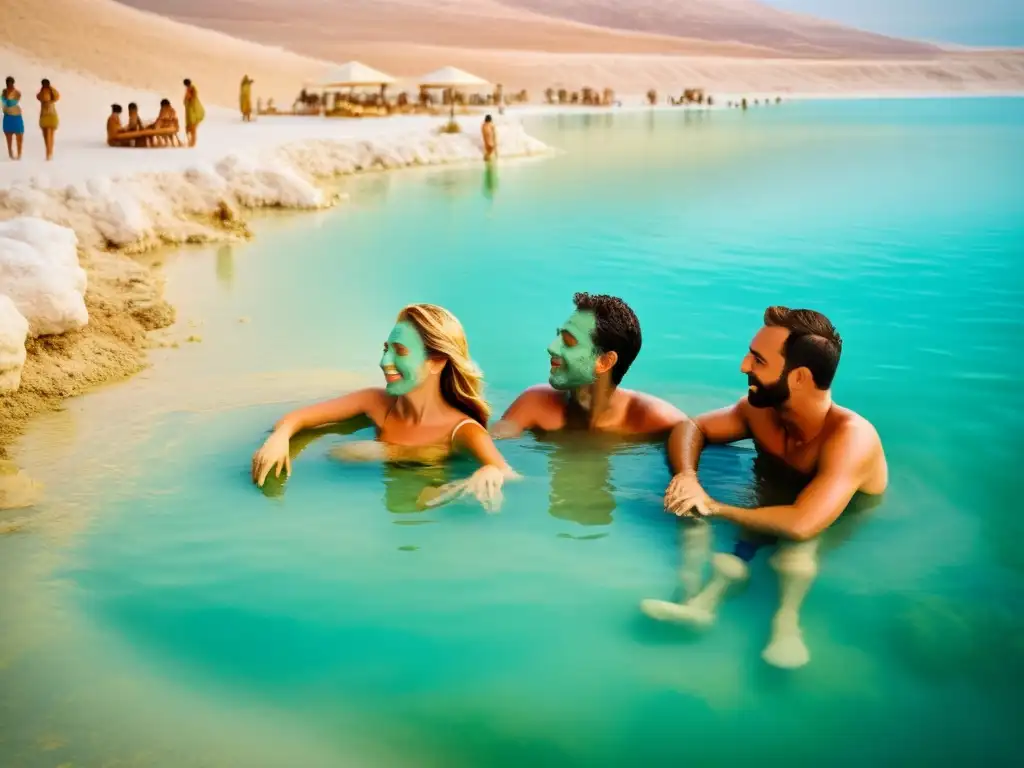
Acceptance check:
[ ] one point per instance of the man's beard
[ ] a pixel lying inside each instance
(768, 395)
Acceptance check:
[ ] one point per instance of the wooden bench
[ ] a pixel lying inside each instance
(126, 139)
(275, 112)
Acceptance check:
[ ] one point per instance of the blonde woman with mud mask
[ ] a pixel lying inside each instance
(430, 407)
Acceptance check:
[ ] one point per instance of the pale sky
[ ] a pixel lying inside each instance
(970, 22)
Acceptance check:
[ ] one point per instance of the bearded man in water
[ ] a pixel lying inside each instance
(789, 413)
(590, 355)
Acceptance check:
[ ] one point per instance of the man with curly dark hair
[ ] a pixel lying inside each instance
(590, 355)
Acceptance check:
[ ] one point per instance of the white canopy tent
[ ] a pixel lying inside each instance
(451, 77)
(352, 75)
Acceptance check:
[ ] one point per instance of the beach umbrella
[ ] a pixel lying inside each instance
(451, 77)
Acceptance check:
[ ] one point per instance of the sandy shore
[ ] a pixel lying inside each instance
(523, 48)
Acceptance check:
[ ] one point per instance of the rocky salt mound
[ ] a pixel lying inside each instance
(42, 289)
(13, 332)
(202, 201)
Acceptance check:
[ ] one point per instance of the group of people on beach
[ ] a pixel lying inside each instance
(161, 131)
(14, 120)
(432, 407)
(126, 135)
(49, 121)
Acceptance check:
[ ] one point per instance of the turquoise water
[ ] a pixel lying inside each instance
(168, 613)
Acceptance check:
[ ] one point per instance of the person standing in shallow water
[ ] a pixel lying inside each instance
(14, 121)
(431, 407)
(490, 138)
(48, 119)
(789, 414)
(194, 112)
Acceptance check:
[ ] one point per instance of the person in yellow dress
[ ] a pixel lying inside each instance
(245, 99)
(48, 119)
(194, 112)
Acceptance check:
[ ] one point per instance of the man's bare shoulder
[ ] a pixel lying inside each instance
(850, 425)
(642, 401)
(649, 413)
(539, 393)
(540, 399)
(540, 406)
(854, 442)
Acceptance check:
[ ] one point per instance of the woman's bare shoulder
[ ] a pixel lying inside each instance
(378, 402)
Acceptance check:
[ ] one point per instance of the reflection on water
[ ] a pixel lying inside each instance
(274, 485)
(373, 188)
(490, 179)
(225, 265)
(579, 470)
(449, 182)
(403, 484)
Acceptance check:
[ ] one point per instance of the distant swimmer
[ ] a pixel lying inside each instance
(589, 356)
(431, 407)
(789, 414)
(490, 138)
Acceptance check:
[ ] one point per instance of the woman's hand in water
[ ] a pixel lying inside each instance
(484, 484)
(273, 454)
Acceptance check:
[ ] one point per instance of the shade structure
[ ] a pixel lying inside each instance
(451, 77)
(352, 74)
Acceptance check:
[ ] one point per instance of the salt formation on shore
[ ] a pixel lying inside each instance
(143, 211)
(42, 289)
(13, 332)
(40, 273)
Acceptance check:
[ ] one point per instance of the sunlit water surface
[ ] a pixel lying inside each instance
(162, 611)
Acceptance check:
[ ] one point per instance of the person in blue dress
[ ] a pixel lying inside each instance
(14, 123)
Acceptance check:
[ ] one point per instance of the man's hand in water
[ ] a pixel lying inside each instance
(686, 498)
(485, 484)
(273, 454)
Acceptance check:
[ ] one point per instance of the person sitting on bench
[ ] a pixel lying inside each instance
(167, 120)
(115, 130)
(135, 124)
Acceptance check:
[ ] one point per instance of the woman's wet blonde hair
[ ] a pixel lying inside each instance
(461, 381)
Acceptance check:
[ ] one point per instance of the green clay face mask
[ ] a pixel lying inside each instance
(403, 360)
(573, 353)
